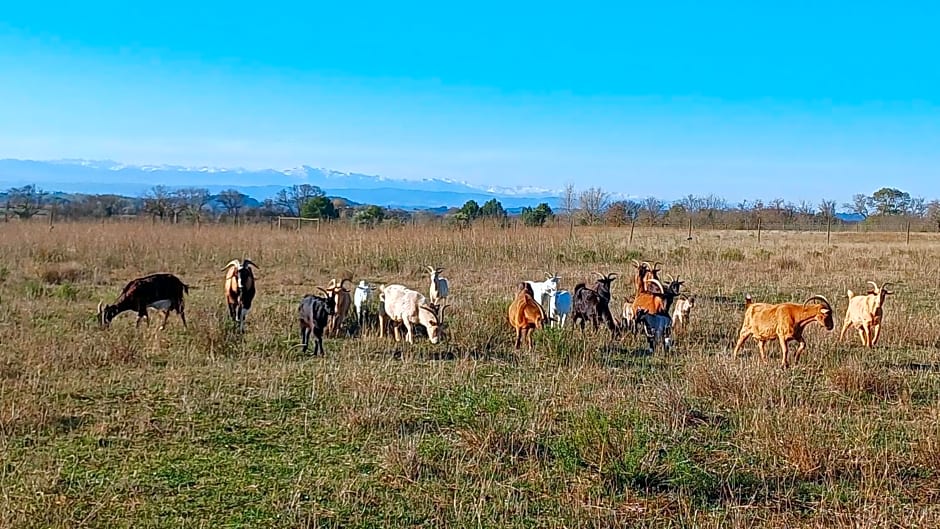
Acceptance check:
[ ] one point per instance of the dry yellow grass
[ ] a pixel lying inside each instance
(205, 427)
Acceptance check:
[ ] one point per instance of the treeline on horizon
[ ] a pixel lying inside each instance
(887, 208)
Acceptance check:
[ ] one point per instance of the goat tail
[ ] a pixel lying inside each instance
(850, 294)
(748, 301)
(186, 288)
(579, 286)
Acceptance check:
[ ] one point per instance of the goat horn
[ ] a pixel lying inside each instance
(612, 275)
(248, 262)
(874, 285)
(429, 268)
(598, 274)
(233, 262)
(636, 264)
(662, 289)
(656, 265)
(819, 298)
(321, 289)
(100, 306)
(884, 286)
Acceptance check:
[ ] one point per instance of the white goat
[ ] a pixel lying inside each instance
(403, 306)
(360, 297)
(682, 311)
(865, 313)
(559, 307)
(541, 290)
(627, 321)
(439, 286)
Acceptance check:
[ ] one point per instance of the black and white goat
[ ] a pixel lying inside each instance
(239, 289)
(656, 327)
(159, 291)
(314, 313)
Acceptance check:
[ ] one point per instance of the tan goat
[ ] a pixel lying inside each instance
(783, 321)
(342, 301)
(525, 314)
(865, 313)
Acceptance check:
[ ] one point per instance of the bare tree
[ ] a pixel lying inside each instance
(859, 205)
(192, 201)
(691, 203)
(827, 208)
(158, 202)
(26, 201)
(568, 203)
(917, 207)
(654, 209)
(933, 212)
(292, 199)
(233, 202)
(593, 201)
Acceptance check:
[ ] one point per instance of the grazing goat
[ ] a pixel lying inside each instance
(542, 290)
(594, 303)
(682, 311)
(559, 307)
(239, 289)
(656, 327)
(525, 314)
(783, 321)
(403, 306)
(865, 313)
(159, 291)
(439, 286)
(314, 313)
(360, 298)
(342, 302)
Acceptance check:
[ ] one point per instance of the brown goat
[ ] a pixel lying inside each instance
(783, 321)
(342, 301)
(525, 314)
(654, 302)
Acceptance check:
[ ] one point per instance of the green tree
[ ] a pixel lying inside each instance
(538, 215)
(319, 207)
(492, 208)
(369, 216)
(890, 201)
(470, 209)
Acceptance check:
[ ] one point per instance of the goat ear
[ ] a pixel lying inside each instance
(825, 311)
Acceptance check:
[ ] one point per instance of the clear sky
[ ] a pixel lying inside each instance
(803, 100)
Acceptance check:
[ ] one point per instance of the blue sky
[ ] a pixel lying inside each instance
(804, 101)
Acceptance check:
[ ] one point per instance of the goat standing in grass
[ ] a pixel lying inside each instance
(594, 303)
(159, 291)
(865, 312)
(314, 313)
(239, 289)
(525, 314)
(439, 286)
(783, 321)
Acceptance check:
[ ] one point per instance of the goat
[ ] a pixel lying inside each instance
(342, 302)
(314, 313)
(594, 303)
(627, 316)
(404, 306)
(525, 314)
(439, 286)
(360, 297)
(559, 307)
(865, 313)
(783, 321)
(644, 272)
(239, 289)
(159, 291)
(542, 290)
(655, 302)
(682, 311)
(656, 327)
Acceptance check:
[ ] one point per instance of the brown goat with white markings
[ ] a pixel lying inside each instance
(784, 322)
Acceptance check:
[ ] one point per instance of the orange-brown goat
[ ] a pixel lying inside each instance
(525, 314)
(783, 321)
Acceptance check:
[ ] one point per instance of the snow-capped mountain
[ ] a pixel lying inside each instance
(106, 176)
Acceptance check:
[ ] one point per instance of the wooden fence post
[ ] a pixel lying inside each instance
(758, 230)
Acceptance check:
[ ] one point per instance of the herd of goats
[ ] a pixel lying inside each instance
(655, 309)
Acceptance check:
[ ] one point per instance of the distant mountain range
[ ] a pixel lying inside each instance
(95, 177)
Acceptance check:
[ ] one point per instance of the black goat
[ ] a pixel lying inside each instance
(314, 313)
(594, 303)
(159, 291)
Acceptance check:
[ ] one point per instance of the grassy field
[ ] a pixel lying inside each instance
(204, 427)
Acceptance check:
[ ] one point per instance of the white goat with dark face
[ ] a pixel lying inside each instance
(439, 286)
